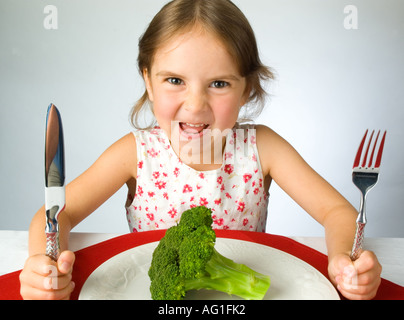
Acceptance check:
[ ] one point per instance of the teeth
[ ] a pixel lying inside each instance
(195, 125)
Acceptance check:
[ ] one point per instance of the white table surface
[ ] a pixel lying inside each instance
(14, 250)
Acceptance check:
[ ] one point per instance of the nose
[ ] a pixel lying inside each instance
(196, 100)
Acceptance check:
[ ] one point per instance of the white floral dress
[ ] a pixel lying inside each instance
(165, 186)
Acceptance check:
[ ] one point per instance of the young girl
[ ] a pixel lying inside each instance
(200, 64)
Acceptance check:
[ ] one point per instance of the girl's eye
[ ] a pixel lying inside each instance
(175, 81)
(219, 84)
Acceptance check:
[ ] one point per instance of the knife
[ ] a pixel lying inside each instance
(54, 179)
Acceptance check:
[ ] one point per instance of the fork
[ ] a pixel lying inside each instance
(365, 176)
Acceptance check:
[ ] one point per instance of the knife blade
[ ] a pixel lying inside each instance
(54, 179)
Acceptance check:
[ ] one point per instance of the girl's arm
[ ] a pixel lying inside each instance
(86, 193)
(281, 162)
(114, 168)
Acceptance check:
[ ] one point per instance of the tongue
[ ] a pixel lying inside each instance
(191, 129)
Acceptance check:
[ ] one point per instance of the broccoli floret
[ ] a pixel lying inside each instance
(186, 259)
(168, 284)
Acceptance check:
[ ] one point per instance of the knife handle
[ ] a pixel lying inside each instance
(52, 245)
(54, 205)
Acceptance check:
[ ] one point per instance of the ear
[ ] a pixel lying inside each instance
(147, 80)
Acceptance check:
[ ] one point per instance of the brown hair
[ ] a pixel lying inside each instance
(228, 23)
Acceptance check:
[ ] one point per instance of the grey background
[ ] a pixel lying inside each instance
(332, 84)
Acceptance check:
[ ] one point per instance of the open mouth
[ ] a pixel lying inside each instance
(192, 130)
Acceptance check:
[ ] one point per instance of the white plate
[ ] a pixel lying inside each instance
(124, 276)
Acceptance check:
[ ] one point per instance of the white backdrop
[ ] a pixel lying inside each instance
(332, 84)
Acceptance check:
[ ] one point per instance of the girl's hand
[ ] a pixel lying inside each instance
(44, 279)
(356, 280)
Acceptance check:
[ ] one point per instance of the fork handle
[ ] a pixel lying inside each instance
(357, 246)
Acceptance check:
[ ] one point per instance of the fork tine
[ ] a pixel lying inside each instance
(373, 150)
(379, 154)
(359, 152)
(367, 149)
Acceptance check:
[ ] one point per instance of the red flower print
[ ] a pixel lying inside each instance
(218, 201)
(152, 153)
(253, 140)
(203, 201)
(160, 184)
(219, 222)
(247, 177)
(173, 212)
(256, 190)
(150, 216)
(245, 222)
(192, 205)
(228, 168)
(241, 206)
(176, 172)
(165, 195)
(202, 175)
(187, 188)
(156, 174)
(150, 194)
(228, 195)
(139, 191)
(228, 155)
(140, 165)
(219, 180)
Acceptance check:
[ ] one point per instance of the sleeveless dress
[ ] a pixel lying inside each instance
(165, 186)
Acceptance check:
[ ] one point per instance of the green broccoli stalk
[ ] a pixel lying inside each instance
(186, 259)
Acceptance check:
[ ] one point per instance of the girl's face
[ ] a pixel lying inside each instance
(194, 85)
